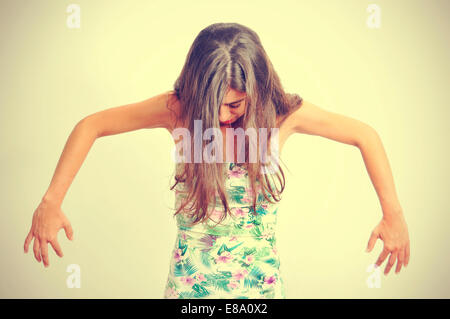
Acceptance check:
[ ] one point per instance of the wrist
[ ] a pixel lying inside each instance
(392, 212)
(48, 199)
(390, 205)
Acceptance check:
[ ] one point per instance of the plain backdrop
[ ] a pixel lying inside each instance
(394, 78)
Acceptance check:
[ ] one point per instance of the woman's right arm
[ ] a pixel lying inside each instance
(150, 113)
(48, 218)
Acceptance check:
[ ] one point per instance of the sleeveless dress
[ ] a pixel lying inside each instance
(235, 259)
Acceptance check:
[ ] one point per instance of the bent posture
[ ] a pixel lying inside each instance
(226, 213)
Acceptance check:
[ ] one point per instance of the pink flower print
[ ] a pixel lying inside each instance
(270, 280)
(225, 257)
(171, 293)
(233, 238)
(188, 280)
(216, 215)
(200, 278)
(236, 172)
(183, 236)
(250, 226)
(240, 274)
(264, 206)
(177, 255)
(249, 195)
(208, 240)
(239, 212)
(275, 250)
(233, 284)
(249, 259)
(266, 235)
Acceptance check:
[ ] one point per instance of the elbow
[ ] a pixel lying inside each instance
(365, 135)
(87, 124)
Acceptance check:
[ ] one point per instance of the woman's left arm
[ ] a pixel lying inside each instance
(392, 229)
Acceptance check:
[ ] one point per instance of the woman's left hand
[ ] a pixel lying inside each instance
(393, 231)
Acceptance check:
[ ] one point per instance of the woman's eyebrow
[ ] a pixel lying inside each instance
(234, 101)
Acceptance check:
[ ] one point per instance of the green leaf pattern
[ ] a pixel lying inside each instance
(234, 259)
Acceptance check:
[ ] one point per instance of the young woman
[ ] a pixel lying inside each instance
(226, 209)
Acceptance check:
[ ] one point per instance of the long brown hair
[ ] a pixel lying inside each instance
(222, 56)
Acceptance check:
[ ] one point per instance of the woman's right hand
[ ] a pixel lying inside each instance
(48, 219)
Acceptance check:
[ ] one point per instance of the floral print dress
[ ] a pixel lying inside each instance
(237, 258)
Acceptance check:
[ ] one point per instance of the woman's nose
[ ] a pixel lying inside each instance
(224, 114)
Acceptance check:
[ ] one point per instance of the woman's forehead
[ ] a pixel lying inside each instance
(233, 96)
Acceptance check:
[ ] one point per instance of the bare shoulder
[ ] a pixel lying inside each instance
(289, 121)
(286, 123)
(309, 118)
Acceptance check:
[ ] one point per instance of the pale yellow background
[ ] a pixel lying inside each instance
(395, 78)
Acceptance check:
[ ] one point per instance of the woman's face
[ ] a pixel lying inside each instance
(233, 107)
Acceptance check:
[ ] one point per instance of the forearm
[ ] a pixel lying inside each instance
(75, 151)
(378, 168)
